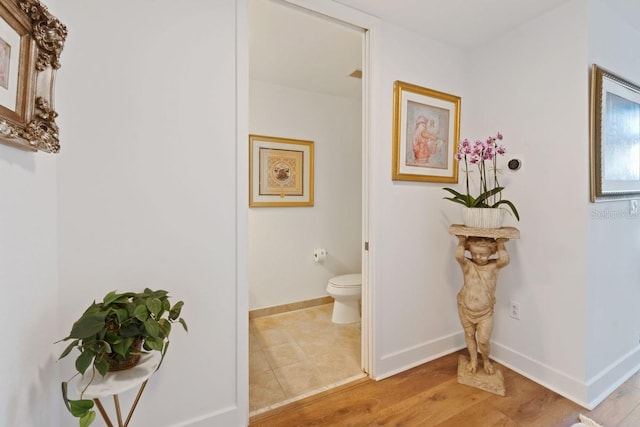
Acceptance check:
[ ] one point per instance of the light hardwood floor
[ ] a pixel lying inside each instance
(429, 395)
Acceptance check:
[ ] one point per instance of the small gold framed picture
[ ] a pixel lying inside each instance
(280, 172)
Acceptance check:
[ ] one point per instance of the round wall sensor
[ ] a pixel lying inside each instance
(514, 164)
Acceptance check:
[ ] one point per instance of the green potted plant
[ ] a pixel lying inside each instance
(485, 208)
(112, 334)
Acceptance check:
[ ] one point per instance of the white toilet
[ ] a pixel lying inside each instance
(346, 291)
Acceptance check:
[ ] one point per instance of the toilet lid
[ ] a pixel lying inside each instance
(346, 281)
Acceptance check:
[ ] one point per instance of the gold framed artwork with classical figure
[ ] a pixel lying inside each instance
(426, 129)
(280, 172)
(31, 41)
(615, 137)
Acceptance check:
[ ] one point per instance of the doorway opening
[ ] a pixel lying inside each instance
(305, 72)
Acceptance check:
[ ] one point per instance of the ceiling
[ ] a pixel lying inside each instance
(293, 47)
(461, 23)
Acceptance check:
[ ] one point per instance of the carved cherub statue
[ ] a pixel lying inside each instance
(477, 296)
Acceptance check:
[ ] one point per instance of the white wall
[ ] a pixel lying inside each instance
(414, 279)
(282, 240)
(531, 84)
(29, 279)
(147, 189)
(613, 235)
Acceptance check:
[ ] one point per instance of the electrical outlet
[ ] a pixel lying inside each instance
(514, 311)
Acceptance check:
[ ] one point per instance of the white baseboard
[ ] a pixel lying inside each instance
(587, 394)
(609, 379)
(225, 417)
(400, 361)
(559, 382)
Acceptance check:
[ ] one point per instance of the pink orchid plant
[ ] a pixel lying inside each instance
(483, 155)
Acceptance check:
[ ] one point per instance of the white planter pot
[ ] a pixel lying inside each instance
(482, 217)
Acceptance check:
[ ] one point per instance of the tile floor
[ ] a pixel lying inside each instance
(299, 353)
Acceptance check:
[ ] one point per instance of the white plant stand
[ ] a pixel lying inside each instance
(118, 382)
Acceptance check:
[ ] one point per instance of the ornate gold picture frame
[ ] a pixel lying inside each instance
(31, 41)
(426, 129)
(280, 172)
(615, 137)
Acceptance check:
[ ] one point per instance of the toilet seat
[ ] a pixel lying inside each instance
(346, 281)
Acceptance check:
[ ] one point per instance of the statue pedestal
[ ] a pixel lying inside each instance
(492, 383)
